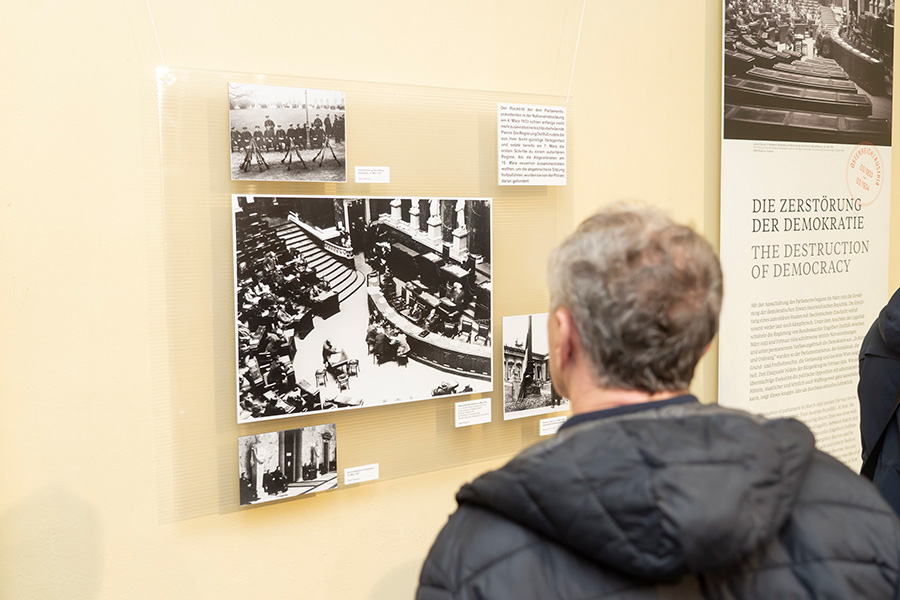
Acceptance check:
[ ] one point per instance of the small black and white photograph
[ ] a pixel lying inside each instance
(805, 71)
(527, 390)
(287, 133)
(349, 302)
(284, 464)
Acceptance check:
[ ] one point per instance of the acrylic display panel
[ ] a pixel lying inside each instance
(438, 144)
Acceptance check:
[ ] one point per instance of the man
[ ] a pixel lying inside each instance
(235, 139)
(246, 137)
(331, 354)
(302, 134)
(339, 128)
(401, 347)
(281, 139)
(646, 493)
(291, 136)
(381, 346)
(879, 382)
(269, 137)
(278, 375)
(317, 135)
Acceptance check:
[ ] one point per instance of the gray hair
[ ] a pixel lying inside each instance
(644, 293)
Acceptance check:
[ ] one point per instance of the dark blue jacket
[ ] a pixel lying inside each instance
(683, 502)
(879, 381)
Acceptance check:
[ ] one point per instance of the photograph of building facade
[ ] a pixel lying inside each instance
(283, 464)
(527, 389)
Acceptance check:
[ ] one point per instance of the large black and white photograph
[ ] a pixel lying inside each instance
(804, 71)
(284, 464)
(287, 133)
(527, 390)
(349, 302)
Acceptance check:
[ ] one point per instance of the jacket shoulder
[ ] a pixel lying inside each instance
(480, 554)
(839, 507)
(841, 541)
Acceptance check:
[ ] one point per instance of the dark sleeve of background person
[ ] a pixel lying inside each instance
(879, 382)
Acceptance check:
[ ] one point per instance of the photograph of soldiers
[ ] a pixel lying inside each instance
(527, 390)
(799, 71)
(349, 302)
(288, 139)
(284, 464)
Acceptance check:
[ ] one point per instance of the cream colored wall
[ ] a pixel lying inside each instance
(82, 269)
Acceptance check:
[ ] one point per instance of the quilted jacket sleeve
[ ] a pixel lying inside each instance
(433, 583)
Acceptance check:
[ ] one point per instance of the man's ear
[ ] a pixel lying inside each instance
(565, 337)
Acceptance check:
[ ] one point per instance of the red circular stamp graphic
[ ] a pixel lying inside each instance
(865, 173)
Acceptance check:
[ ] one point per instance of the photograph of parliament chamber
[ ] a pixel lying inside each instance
(801, 71)
(346, 302)
(284, 464)
(286, 133)
(527, 390)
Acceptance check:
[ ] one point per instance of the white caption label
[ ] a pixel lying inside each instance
(531, 144)
(473, 412)
(360, 474)
(551, 425)
(373, 174)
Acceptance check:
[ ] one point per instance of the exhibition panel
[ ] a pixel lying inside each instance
(805, 212)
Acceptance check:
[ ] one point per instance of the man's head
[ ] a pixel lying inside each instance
(635, 298)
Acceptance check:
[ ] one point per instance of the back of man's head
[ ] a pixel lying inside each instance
(644, 293)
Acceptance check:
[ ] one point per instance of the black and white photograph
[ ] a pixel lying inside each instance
(349, 302)
(284, 464)
(804, 71)
(527, 390)
(287, 133)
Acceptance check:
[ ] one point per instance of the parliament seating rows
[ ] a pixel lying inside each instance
(813, 99)
(435, 292)
(816, 69)
(800, 80)
(445, 353)
(761, 93)
(442, 305)
(277, 295)
(865, 69)
(761, 123)
(780, 22)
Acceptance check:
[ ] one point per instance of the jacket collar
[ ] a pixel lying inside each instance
(628, 409)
